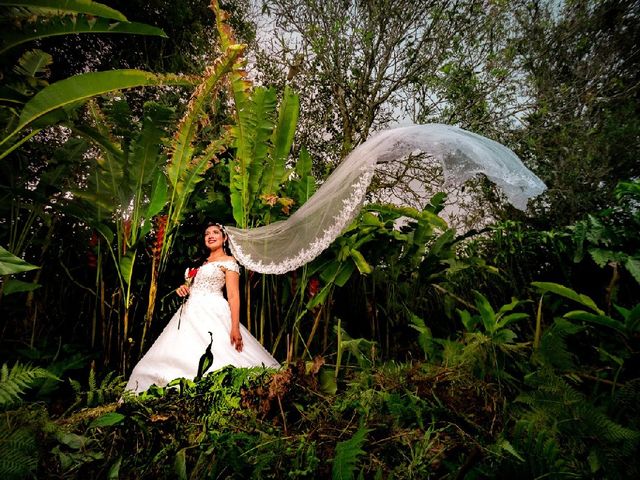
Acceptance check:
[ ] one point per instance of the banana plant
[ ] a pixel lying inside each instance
(487, 339)
(50, 18)
(262, 134)
(24, 103)
(259, 177)
(126, 188)
(135, 181)
(262, 139)
(493, 323)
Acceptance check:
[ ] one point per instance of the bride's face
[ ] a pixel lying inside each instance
(213, 237)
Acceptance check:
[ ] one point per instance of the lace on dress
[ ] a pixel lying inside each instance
(209, 280)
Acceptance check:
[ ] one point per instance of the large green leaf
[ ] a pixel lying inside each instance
(409, 212)
(511, 318)
(10, 264)
(566, 292)
(107, 420)
(82, 87)
(101, 140)
(597, 319)
(76, 25)
(425, 337)
(191, 177)
(236, 207)
(327, 382)
(14, 285)
(68, 6)
(180, 464)
(182, 148)
(441, 245)
(305, 186)
(281, 139)
(158, 195)
(251, 135)
(487, 313)
(359, 260)
(126, 267)
(145, 159)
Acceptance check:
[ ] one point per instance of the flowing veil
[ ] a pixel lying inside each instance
(288, 244)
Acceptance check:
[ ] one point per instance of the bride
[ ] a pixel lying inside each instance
(206, 317)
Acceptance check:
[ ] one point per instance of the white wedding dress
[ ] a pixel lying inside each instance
(177, 351)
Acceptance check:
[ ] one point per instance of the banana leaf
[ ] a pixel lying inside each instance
(76, 25)
(10, 264)
(68, 6)
(77, 89)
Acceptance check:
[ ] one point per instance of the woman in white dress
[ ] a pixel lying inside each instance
(206, 317)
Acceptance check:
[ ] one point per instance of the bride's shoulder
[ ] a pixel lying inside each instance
(229, 263)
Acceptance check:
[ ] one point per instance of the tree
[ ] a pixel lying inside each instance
(582, 131)
(355, 61)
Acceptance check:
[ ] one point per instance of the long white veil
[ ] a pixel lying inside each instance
(288, 244)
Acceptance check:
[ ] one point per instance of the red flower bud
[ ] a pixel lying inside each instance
(314, 286)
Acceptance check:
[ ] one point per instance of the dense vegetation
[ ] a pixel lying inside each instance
(507, 347)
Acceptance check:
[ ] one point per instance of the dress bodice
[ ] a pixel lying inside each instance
(211, 277)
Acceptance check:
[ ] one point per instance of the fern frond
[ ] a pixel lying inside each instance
(98, 393)
(18, 451)
(608, 430)
(76, 386)
(581, 427)
(540, 455)
(626, 403)
(347, 454)
(15, 381)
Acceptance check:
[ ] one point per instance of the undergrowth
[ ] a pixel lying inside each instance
(483, 405)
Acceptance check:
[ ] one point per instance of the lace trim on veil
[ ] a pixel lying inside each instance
(351, 207)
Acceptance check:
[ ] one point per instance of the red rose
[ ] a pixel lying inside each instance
(191, 273)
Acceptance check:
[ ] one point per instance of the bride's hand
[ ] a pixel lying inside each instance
(236, 339)
(182, 291)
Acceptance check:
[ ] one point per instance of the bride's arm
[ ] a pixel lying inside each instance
(233, 296)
